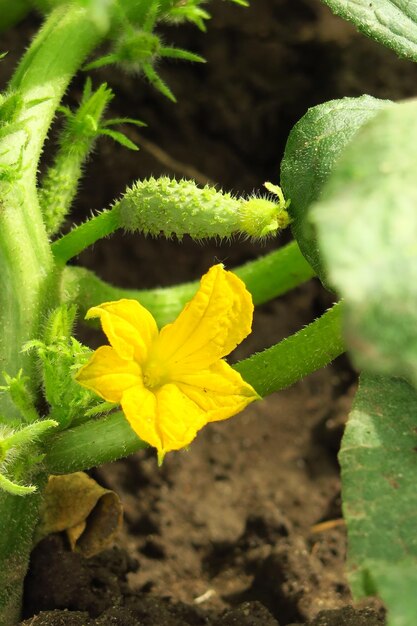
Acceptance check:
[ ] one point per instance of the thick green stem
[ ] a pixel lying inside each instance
(266, 278)
(18, 519)
(275, 273)
(93, 443)
(292, 359)
(28, 284)
(61, 46)
(111, 438)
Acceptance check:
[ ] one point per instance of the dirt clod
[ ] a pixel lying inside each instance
(248, 614)
(347, 616)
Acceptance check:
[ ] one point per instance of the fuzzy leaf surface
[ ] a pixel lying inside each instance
(393, 23)
(367, 228)
(379, 464)
(313, 148)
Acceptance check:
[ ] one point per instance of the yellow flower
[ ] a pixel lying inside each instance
(173, 382)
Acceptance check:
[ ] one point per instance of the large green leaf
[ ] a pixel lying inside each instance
(391, 22)
(313, 147)
(367, 228)
(379, 466)
(396, 584)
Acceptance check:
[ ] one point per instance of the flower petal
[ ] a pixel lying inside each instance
(211, 325)
(219, 391)
(166, 419)
(108, 375)
(179, 418)
(129, 327)
(140, 408)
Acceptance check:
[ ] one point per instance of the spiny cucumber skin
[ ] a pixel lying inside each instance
(170, 207)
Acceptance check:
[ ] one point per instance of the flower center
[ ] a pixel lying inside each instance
(155, 374)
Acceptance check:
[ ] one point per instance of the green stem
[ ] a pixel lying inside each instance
(26, 262)
(266, 278)
(85, 235)
(292, 359)
(81, 129)
(93, 443)
(61, 46)
(111, 438)
(19, 517)
(275, 273)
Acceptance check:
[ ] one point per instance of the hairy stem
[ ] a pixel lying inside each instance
(295, 357)
(267, 277)
(28, 283)
(85, 235)
(19, 516)
(57, 52)
(81, 129)
(93, 443)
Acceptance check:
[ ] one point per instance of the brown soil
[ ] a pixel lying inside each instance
(226, 534)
